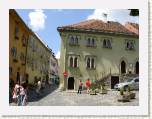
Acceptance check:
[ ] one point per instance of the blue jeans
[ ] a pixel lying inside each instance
(20, 101)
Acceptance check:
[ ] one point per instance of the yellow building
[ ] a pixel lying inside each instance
(38, 55)
(29, 56)
(18, 36)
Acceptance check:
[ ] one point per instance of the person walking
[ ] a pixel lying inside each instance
(88, 85)
(16, 92)
(23, 95)
(80, 87)
(38, 88)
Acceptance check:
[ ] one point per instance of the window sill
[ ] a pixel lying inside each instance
(91, 68)
(128, 49)
(74, 44)
(92, 46)
(107, 47)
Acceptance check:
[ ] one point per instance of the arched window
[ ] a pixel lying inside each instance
(93, 42)
(104, 43)
(88, 63)
(71, 61)
(72, 40)
(76, 40)
(92, 63)
(128, 45)
(88, 41)
(75, 62)
(131, 45)
(123, 67)
(109, 43)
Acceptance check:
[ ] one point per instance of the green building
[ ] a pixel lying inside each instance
(96, 50)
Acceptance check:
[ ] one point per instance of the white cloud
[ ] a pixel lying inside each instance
(58, 55)
(37, 19)
(98, 14)
(121, 15)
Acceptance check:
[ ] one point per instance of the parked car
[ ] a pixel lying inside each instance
(132, 83)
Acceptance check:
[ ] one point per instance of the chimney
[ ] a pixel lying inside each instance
(104, 17)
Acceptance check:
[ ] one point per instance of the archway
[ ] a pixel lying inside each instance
(123, 67)
(71, 83)
(137, 68)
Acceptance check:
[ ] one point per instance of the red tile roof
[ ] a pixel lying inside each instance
(98, 26)
(136, 26)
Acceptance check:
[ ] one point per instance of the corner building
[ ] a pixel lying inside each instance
(97, 50)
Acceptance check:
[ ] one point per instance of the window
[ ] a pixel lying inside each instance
(31, 41)
(90, 63)
(130, 45)
(107, 43)
(23, 40)
(10, 71)
(88, 42)
(73, 61)
(91, 42)
(16, 32)
(14, 52)
(104, 43)
(74, 40)
(22, 58)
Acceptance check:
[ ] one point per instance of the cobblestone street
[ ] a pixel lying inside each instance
(71, 98)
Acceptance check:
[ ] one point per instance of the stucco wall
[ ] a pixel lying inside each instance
(107, 60)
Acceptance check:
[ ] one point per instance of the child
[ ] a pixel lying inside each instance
(80, 87)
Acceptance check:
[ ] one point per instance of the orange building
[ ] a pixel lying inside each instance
(18, 37)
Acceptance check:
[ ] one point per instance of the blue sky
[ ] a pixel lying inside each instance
(45, 22)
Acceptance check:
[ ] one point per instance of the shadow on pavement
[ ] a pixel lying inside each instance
(33, 96)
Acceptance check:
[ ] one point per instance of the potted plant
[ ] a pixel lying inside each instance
(131, 94)
(124, 96)
(103, 88)
(92, 89)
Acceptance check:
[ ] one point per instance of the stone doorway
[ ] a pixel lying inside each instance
(71, 83)
(114, 80)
